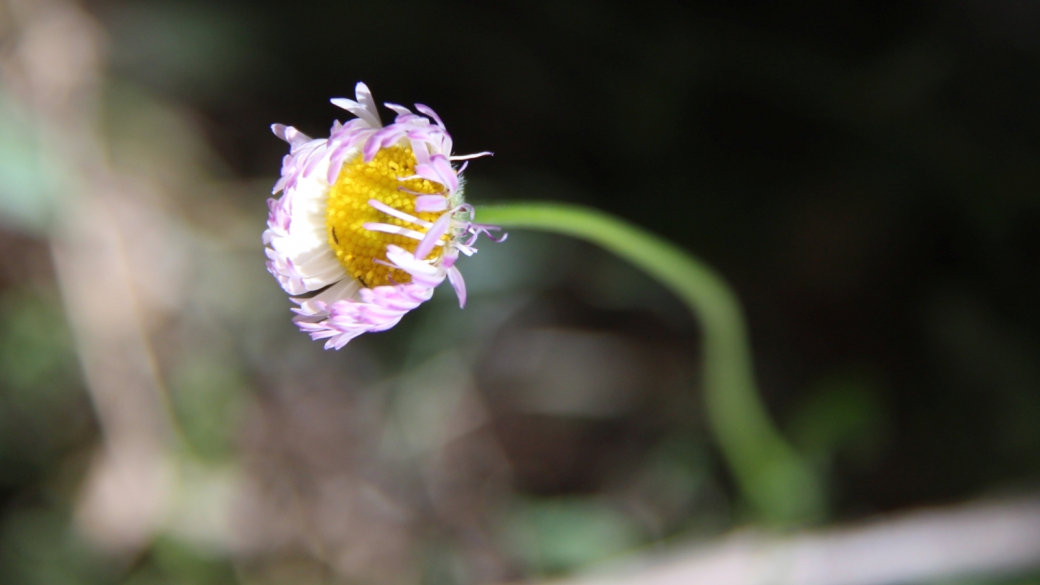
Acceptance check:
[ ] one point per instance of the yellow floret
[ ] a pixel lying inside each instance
(348, 210)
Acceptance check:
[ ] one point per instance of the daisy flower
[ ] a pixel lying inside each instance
(370, 220)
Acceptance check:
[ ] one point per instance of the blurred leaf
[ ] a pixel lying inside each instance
(207, 397)
(39, 547)
(151, 137)
(201, 510)
(29, 178)
(426, 405)
(41, 406)
(181, 564)
(676, 474)
(35, 348)
(844, 413)
(560, 535)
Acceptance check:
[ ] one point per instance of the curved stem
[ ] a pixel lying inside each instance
(769, 473)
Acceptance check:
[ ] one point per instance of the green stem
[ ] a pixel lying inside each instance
(770, 474)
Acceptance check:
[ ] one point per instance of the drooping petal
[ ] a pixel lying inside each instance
(459, 284)
(399, 109)
(429, 112)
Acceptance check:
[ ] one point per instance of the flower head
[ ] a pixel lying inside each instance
(370, 221)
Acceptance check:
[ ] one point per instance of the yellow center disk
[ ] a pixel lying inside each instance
(348, 210)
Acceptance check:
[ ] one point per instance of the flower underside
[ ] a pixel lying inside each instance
(360, 250)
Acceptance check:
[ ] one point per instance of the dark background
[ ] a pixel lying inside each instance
(864, 173)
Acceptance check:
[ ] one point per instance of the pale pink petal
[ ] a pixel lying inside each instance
(399, 109)
(429, 112)
(375, 203)
(433, 235)
(471, 156)
(364, 97)
(459, 284)
(439, 170)
(397, 230)
(431, 203)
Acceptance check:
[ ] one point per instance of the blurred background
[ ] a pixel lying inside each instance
(865, 174)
